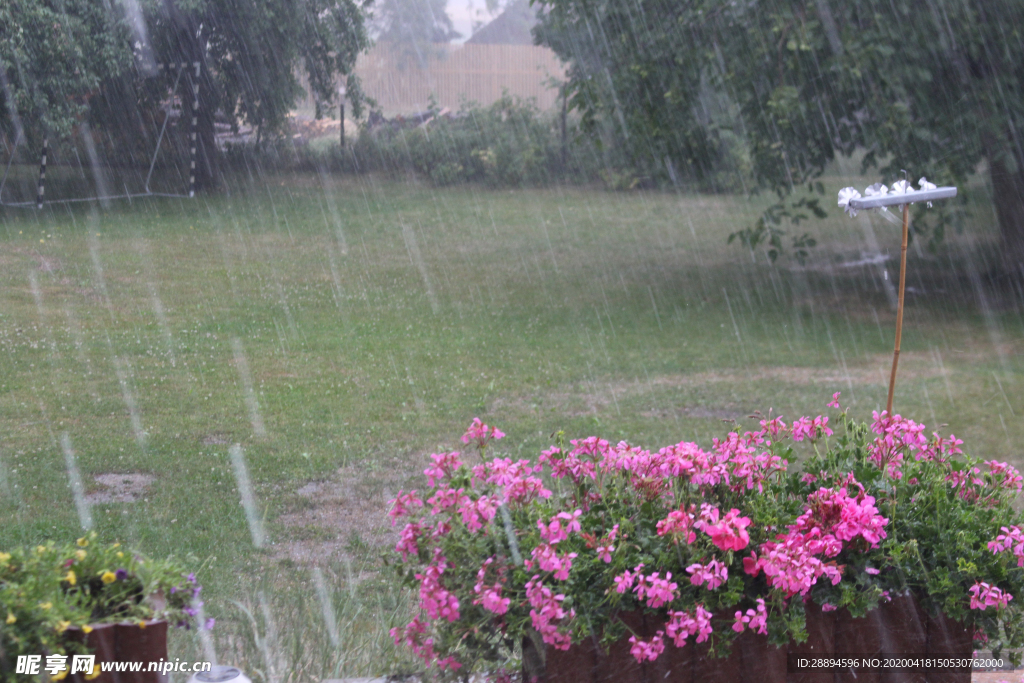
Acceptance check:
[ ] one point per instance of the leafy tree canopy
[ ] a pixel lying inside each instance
(53, 55)
(934, 87)
(60, 58)
(414, 26)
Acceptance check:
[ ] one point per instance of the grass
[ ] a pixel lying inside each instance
(364, 322)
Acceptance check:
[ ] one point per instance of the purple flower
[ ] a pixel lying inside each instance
(121, 574)
(191, 578)
(195, 591)
(174, 589)
(209, 624)
(191, 611)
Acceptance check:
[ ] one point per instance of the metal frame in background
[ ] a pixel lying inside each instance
(193, 81)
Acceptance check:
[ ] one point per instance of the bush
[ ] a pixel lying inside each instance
(48, 589)
(558, 548)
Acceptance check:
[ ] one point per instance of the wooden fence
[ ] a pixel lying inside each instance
(402, 84)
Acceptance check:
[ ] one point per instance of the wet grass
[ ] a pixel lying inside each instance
(374, 319)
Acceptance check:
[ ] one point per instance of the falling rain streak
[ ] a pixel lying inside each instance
(75, 479)
(248, 392)
(252, 513)
(326, 606)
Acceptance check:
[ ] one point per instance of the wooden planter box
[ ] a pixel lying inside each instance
(899, 627)
(128, 642)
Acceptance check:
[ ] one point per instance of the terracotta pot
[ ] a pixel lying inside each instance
(904, 632)
(857, 638)
(127, 642)
(945, 638)
(899, 627)
(821, 640)
(146, 642)
(101, 641)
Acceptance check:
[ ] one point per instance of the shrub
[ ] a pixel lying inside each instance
(557, 548)
(48, 589)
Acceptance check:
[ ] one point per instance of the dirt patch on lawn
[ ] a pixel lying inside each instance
(593, 397)
(120, 487)
(342, 518)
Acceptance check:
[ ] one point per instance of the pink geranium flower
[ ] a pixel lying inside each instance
(480, 433)
(731, 532)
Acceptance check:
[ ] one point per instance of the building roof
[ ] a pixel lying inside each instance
(511, 27)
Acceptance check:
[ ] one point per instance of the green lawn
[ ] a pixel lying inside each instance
(342, 329)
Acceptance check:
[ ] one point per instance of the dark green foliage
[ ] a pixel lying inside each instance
(508, 144)
(932, 87)
(54, 54)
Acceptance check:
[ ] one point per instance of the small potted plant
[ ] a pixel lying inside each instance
(88, 597)
(603, 559)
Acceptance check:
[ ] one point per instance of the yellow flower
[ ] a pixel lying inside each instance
(120, 555)
(94, 674)
(142, 624)
(11, 618)
(59, 676)
(82, 542)
(116, 545)
(71, 578)
(40, 549)
(63, 626)
(45, 605)
(86, 629)
(108, 577)
(80, 554)
(4, 557)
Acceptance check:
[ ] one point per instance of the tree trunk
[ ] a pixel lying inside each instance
(188, 45)
(207, 154)
(1008, 195)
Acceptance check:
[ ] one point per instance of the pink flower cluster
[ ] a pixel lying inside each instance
(833, 512)
(756, 619)
(547, 559)
(1011, 539)
(480, 433)
(553, 532)
(435, 600)
(984, 596)
(1005, 475)
(731, 532)
(477, 513)
(790, 563)
(403, 504)
(442, 466)
(831, 517)
(897, 435)
(412, 636)
(569, 464)
(408, 543)
(489, 596)
(647, 650)
(806, 428)
(655, 590)
(682, 625)
(546, 610)
(714, 574)
(678, 525)
(519, 484)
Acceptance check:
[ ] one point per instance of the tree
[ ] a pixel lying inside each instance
(65, 53)
(414, 26)
(250, 51)
(54, 54)
(934, 87)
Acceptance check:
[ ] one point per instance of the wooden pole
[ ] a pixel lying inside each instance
(899, 307)
(41, 186)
